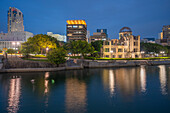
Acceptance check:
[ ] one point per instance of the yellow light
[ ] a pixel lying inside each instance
(76, 22)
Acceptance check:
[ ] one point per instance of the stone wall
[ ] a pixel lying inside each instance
(15, 62)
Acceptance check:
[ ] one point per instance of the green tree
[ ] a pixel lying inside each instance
(27, 48)
(43, 41)
(97, 45)
(150, 47)
(80, 47)
(57, 56)
(11, 51)
(38, 44)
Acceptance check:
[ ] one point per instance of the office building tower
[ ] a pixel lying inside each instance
(15, 20)
(101, 34)
(76, 30)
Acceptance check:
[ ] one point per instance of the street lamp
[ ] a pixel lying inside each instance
(142, 52)
(47, 50)
(162, 52)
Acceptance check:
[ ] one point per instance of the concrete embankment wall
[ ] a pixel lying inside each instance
(23, 70)
(15, 62)
(34, 66)
(121, 63)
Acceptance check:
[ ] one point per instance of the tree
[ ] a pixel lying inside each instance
(80, 47)
(150, 47)
(97, 45)
(11, 51)
(43, 41)
(27, 48)
(57, 56)
(38, 44)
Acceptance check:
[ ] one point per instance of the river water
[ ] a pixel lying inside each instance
(144, 89)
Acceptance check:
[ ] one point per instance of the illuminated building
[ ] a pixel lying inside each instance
(15, 20)
(164, 36)
(16, 34)
(76, 30)
(101, 34)
(127, 46)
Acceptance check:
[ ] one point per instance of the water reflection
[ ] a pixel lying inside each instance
(75, 96)
(143, 78)
(14, 94)
(162, 77)
(125, 80)
(111, 82)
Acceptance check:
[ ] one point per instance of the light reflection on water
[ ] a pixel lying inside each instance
(14, 95)
(120, 83)
(143, 78)
(162, 77)
(75, 98)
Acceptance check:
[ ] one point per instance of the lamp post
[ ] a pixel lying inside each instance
(162, 52)
(142, 52)
(47, 50)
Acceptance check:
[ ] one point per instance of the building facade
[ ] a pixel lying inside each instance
(76, 30)
(101, 34)
(59, 37)
(164, 36)
(148, 40)
(16, 34)
(127, 46)
(15, 20)
(7, 40)
(166, 31)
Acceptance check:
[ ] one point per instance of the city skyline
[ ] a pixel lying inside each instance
(112, 15)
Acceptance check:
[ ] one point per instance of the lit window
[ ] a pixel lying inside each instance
(75, 26)
(80, 26)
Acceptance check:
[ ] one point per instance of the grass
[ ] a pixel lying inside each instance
(30, 59)
(39, 56)
(149, 58)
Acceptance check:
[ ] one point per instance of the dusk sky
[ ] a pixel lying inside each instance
(144, 17)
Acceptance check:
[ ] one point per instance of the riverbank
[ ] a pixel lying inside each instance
(81, 64)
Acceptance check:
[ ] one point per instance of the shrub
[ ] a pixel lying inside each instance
(57, 56)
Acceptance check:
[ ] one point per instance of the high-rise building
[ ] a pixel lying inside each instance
(15, 20)
(16, 34)
(76, 30)
(166, 31)
(101, 34)
(102, 31)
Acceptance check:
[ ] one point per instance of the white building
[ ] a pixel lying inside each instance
(13, 39)
(57, 36)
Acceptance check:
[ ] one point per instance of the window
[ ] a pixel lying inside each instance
(80, 26)
(136, 38)
(106, 43)
(106, 49)
(135, 49)
(120, 50)
(120, 56)
(113, 49)
(135, 43)
(69, 26)
(113, 56)
(75, 26)
(125, 50)
(107, 56)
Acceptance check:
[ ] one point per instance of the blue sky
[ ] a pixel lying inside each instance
(144, 17)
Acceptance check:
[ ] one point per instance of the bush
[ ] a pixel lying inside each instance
(57, 56)
(11, 51)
